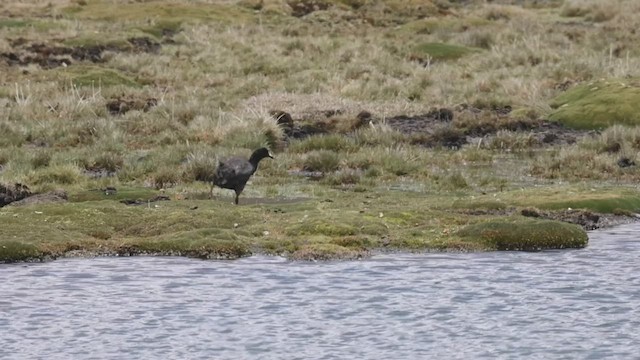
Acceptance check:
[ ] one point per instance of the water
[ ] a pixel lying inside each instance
(570, 304)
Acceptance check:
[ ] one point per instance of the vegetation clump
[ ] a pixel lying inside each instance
(598, 104)
(14, 251)
(527, 235)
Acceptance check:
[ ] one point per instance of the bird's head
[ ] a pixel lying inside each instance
(261, 154)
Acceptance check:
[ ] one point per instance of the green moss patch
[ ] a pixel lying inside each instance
(97, 77)
(13, 23)
(598, 104)
(528, 235)
(350, 226)
(162, 28)
(480, 205)
(173, 12)
(201, 243)
(23, 23)
(343, 226)
(440, 52)
(98, 40)
(11, 251)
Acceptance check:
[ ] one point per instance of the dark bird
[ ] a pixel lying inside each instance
(626, 162)
(234, 172)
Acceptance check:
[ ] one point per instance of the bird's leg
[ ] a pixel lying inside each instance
(237, 195)
(211, 191)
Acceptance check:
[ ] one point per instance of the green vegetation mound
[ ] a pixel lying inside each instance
(12, 251)
(526, 234)
(202, 243)
(441, 52)
(97, 76)
(163, 12)
(598, 104)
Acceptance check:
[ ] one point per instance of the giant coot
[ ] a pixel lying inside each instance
(234, 172)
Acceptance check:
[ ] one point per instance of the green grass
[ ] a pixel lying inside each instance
(12, 251)
(166, 12)
(97, 77)
(601, 199)
(351, 225)
(598, 104)
(161, 28)
(13, 23)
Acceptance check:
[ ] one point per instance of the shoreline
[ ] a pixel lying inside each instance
(607, 221)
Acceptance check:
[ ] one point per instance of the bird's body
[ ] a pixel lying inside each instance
(234, 172)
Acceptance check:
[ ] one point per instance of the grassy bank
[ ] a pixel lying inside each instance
(331, 224)
(420, 125)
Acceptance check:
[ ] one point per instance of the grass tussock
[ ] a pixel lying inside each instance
(322, 161)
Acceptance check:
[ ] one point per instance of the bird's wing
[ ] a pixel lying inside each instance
(224, 173)
(232, 170)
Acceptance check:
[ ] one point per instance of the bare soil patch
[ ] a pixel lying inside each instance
(56, 196)
(586, 219)
(122, 104)
(49, 56)
(444, 127)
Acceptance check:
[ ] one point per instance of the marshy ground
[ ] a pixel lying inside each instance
(396, 125)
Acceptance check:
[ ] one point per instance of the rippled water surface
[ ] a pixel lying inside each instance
(582, 304)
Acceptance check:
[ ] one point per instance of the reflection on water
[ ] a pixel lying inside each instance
(555, 304)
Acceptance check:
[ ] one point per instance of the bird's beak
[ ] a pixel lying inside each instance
(270, 155)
